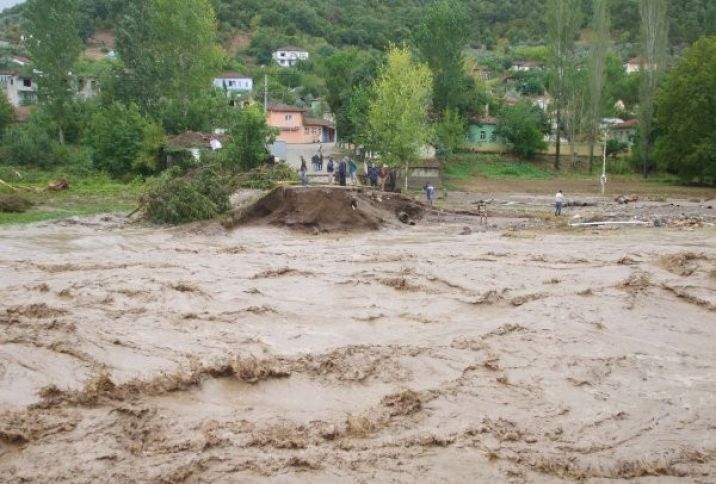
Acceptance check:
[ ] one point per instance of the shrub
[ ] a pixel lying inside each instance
(122, 141)
(177, 198)
(31, 143)
(13, 203)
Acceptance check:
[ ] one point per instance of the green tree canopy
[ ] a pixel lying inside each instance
(686, 104)
(249, 136)
(55, 46)
(398, 113)
(520, 126)
(441, 38)
(169, 52)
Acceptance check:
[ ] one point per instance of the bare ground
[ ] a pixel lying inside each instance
(519, 351)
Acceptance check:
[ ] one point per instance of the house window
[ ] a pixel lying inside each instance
(483, 135)
(493, 137)
(288, 117)
(27, 82)
(231, 83)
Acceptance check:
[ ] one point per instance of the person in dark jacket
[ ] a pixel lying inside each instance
(373, 175)
(342, 170)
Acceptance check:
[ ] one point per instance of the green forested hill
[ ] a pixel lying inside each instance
(375, 23)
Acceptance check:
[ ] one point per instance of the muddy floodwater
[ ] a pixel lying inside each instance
(417, 354)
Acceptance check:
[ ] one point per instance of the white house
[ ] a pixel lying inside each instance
(526, 66)
(632, 65)
(232, 82)
(20, 89)
(289, 56)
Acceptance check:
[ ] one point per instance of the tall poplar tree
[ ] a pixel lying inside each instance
(597, 70)
(654, 39)
(55, 46)
(563, 22)
(441, 39)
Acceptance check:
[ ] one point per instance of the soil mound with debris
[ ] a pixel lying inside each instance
(329, 209)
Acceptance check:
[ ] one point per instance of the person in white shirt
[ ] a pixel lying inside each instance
(558, 203)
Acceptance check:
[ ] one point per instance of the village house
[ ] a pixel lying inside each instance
(87, 87)
(297, 128)
(625, 132)
(526, 66)
(20, 89)
(632, 65)
(289, 56)
(233, 82)
(483, 131)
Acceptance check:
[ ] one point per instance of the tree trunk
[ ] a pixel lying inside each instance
(591, 151)
(62, 136)
(558, 139)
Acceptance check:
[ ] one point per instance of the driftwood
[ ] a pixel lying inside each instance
(625, 199)
(59, 185)
(18, 188)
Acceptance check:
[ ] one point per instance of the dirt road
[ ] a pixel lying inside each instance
(416, 354)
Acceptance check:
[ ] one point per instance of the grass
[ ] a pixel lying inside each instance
(90, 193)
(467, 166)
(494, 174)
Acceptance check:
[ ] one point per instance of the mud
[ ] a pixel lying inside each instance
(328, 209)
(411, 353)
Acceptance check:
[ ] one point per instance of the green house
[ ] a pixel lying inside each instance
(482, 132)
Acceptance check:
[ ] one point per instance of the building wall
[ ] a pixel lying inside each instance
(290, 124)
(234, 84)
(288, 58)
(624, 135)
(21, 91)
(482, 134)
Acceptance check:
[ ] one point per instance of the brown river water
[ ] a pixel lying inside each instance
(415, 354)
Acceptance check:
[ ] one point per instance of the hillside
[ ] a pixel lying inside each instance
(371, 24)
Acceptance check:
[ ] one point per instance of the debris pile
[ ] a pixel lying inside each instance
(329, 209)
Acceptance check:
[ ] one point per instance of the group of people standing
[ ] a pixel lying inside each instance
(337, 172)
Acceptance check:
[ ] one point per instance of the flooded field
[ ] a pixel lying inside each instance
(426, 353)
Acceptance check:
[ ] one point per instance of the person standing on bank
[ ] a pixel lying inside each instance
(329, 169)
(304, 172)
(430, 192)
(342, 169)
(558, 203)
(353, 170)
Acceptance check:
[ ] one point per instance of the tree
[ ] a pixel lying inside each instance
(597, 71)
(55, 46)
(117, 138)
(345, 71)
(441, 39)
(249, 136)
(576, 107)
(398, 113)
(520, 127)
(449, 133)
(654, 35)
(169, 52)
(685, 107)
(7, 115)
(563, 23)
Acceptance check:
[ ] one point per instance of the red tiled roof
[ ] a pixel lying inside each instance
(232, 75)
(317, 122)
(285, 108)
(632, 123)
(487, 120)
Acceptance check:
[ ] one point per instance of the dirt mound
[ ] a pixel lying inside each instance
(329, 209)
